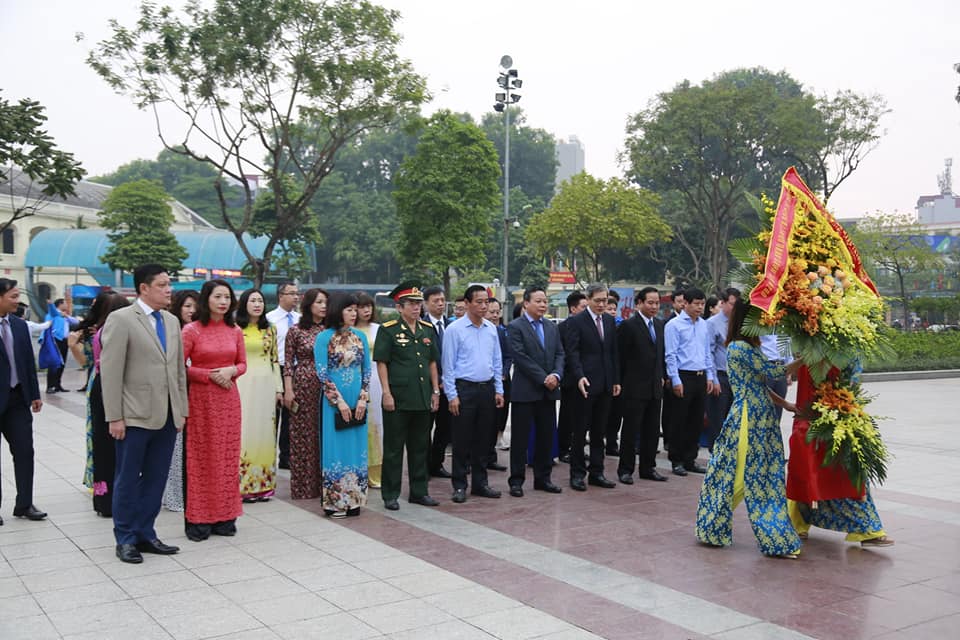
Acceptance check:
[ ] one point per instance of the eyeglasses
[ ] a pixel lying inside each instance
(290, 293)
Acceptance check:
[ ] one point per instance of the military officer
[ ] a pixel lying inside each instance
(406, 354)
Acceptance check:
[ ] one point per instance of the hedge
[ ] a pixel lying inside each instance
(921, 351)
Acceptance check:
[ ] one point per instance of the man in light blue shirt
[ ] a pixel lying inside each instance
(691, 372)
(719, 401)
(473, 383)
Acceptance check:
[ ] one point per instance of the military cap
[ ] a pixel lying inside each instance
(407, 290)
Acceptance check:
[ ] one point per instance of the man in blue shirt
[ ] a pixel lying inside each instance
(57, 314)
(691, 373)
(719, 401)
(473, 383)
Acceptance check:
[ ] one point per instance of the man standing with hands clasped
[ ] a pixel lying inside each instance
(145, 403)
(19, 395)
(473, 382)
(537, 369)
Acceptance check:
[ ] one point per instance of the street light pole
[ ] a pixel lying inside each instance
(507, 81)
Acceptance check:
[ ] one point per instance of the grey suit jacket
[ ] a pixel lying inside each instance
(139, 379)
(532, 362)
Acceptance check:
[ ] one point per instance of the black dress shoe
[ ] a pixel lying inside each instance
(549, 487)
(155, 546)
(391, 505)
(516, 492)
(129, 553)
(225, 528)
(678, 470)
(61, 390)
(695, 468)
(565, 457)
(577, 484)
(600, 481)
(493, 466)
(51, 390)
(459, 496)
(653, 475)
(485, 492)
(426, 501)
(626, 478)
(30, 513)
(1, 521)
(440, 473)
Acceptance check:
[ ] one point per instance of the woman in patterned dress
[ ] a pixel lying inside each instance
(184, 306)
(366, 323)
(260, 388)
(213, 347)
(302, 395)
(748, 462)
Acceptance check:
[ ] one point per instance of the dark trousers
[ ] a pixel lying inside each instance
(591, 415)
(441, 435)
(54, 375)
(717, 408)
(568, 415)
(283, 436)
(143, 462)
(614, 420)
(686, 416)
(16, 424)
(471, 432)
(641, 430)
(665, 417)
(410, 429)
(779, 387)
(500, 421)
(542, 416)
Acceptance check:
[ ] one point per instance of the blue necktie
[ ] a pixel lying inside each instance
(289, 320)
(653, 332)
(160, 332)
(538, 327)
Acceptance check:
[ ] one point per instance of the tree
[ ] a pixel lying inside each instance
(446, 193)
(138, 216)
(272, 87)
(895, 242)
(590, 215)
(709, 144)
(26, 146)
(533, 154)
(303, 231)
(852, 131)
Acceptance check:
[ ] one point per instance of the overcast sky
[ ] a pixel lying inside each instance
(585, 67)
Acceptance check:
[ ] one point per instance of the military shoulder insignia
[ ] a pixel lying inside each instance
(425, 323)
(389, 323)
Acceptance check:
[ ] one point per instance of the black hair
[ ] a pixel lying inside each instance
(429, 292)
(306, 315)
(6, 284)
(711, 302)
(335, 307)
(693, 293)
(731, 291)
(203, 302)
(472, 290)
(97, 313)
(145, 274)
(611, 293)
(517, 310)
(58, 302)
(679, 293)
(735, 326)
(283, 285)
(642, 294)
(573, 300)
(529, 291)
(179, 299)
(243, 316)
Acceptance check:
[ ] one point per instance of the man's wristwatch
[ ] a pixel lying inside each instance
(436, 392)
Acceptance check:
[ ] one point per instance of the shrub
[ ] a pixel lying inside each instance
(920, 351)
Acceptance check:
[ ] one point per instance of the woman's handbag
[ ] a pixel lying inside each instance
(340, 424)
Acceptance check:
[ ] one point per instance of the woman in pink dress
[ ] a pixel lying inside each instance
(215, 353)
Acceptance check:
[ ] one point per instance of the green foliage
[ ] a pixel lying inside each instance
(919, 351)
(138, 216)
(24, 144)
(294, 234)
(533, 163)
(445, 193)
(273, 87)
(589, 215)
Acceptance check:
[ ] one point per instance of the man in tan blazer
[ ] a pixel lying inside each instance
(145, 402)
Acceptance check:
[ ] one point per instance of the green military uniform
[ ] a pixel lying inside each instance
(408, 355)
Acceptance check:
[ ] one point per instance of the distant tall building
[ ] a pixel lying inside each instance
(569, 158)
(943, 210)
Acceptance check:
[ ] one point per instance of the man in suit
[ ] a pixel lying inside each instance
(145, 403)
(435, 304)
(691, 372)
(282, 318)
(538, 360)
(593, 361)
(642, 371)
(19, 395)
(576, 302)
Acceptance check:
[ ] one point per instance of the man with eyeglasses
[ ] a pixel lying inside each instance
(284, 317)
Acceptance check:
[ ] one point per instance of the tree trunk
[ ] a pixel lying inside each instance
(446, 283)
(903, 299)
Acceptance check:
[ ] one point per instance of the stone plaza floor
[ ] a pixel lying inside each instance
(608, 563)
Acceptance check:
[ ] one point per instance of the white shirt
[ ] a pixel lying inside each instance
(278, 318)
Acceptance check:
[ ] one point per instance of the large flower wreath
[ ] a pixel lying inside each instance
(810, 284)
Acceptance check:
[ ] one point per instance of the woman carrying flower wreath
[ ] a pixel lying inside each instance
(260, 388)
(747, 462)
(342, 358)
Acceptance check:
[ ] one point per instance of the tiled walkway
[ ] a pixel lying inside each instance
(618, 563)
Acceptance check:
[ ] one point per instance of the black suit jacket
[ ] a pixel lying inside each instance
(642, 363)
(446, 323)
(26, 365)
(588, 356)
(532, 363)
